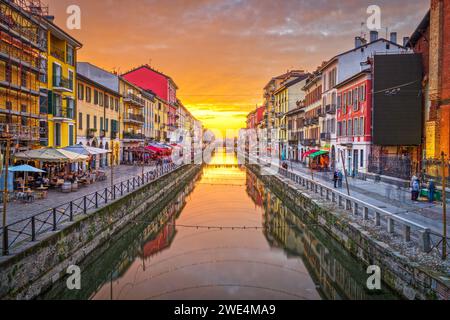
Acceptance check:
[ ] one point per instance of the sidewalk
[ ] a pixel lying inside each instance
(384, 196)
(17, 210)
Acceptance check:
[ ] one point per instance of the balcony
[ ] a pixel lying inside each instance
(58, 53)
(20, 132)
(133, 136)
(63, 113)
(345, 141)
(330, 109)
(134, 118)
(321, 113)
(61, 83)
(134, 100)
(309, 142)
(325, 136)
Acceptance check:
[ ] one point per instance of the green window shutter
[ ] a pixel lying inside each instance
(50, 103)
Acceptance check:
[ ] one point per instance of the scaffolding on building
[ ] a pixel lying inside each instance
(23, 70)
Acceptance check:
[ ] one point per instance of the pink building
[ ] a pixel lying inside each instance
(354, 121)
(162, 85)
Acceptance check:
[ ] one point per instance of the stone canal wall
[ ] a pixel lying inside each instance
(409, 279)
(26, 275)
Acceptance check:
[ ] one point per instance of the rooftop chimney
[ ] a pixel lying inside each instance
(373, 36)
(394, 37)
(405, 41)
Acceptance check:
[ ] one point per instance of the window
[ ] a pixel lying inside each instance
(361, 161)
(356, 127)
(57, 73)
(23, 78)
(95, 122)
(71, 135)
(80, 92)
(88, 121)
(70, 56)
(100, 100)
(339, 129)
(344, 128)
(111, 103)
(80, 121)
(95, 97)
(43, 70)
(71, 80)
(349, 128)
(339, 101)
(361, 126)
(101, 124)
(70, 103)
(117, 105)
(58, 134)
(106, 124)
(106, 101)
(8, 73)
(88, 94)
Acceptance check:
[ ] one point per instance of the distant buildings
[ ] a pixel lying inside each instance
(359, 111)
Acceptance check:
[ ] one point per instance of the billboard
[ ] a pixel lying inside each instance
(397, 100)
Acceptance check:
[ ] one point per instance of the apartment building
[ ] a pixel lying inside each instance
(23, 56)
(312, 106)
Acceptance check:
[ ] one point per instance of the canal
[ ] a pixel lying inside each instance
(225, 235)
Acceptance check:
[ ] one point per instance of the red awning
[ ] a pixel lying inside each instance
(307, 153)
(154, 149)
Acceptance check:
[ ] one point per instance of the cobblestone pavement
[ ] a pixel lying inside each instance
(384, 196)
(18, 210)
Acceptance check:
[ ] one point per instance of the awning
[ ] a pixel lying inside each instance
(85, 150)
(50, 155)
(308, 153)
(318, 153)
(25, 168)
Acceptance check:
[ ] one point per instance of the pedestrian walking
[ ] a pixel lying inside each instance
(340, 178)
(335, 179)
(431, 190)
(415, 189)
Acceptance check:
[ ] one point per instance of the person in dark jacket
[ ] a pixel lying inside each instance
(335, 179)
(415, 189)
(431, 191)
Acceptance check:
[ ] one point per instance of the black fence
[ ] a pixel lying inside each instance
(394, 166)
(28, 229)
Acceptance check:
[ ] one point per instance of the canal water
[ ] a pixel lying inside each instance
(224, 236)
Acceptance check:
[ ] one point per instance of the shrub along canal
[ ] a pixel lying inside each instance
(225, 235)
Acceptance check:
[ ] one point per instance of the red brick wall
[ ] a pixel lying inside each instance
(445, 68)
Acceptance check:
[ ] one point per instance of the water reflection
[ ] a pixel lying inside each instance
(196, 248)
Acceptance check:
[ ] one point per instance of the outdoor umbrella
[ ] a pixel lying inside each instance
(85, 150)
(51, 155)
(25, 168)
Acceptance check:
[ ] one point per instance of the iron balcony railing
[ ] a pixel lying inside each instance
(62, 83)
(325, 136)
(51, 220)
(330, 109)
(61, 112)
(134, 99)
(134, 117)
(58, 54)
(20, 132)
(133, 136)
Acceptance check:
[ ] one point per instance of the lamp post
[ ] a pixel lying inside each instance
(444, 208)
(7, 137)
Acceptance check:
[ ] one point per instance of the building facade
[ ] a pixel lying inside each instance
(164, 88)
(23, 72)
(98, 118)
(312, 105)
(61, 66)
(354, 118)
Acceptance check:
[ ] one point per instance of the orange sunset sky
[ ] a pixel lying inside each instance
(221, 53)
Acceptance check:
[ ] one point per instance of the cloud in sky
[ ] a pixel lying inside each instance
(222, 52)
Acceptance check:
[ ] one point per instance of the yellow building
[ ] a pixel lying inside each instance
(98, 118)
(132, 118)
(62, 57)
(161, 120)
(22, 54)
